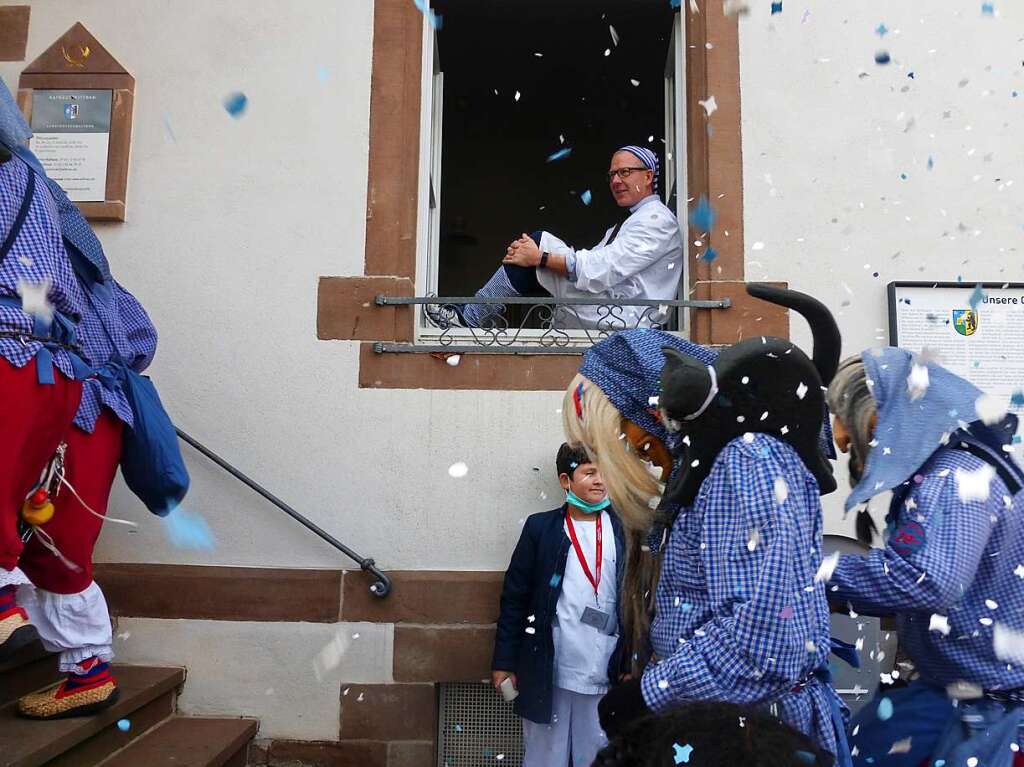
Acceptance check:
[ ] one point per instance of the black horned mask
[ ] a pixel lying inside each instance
(760, 384)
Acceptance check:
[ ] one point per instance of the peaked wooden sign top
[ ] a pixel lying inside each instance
(75, 52)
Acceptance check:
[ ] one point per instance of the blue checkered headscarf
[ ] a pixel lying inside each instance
(14, 131)
(627, 367)
(648, 158)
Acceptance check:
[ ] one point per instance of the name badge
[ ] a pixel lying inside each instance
(598, 619)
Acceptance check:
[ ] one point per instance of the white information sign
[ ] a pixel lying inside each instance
(978, 334)
(71, 137)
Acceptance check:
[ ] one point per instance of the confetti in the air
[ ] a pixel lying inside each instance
(709, 255)
(453, 360)
(681, 754)
(586, 197)
(974, 485)
(710, 105)
(990, 409)
(634, 83)
(917, 382)
(555, 580)
(801, 390)
(781, 490)
(34, 300)
(458, 470)
(805, 757)
(1017, 398)
(735, 8)
(662, 684)
(560, 154)
(826, 568)
(169, 130)
(939, 623)
(518, 96)
(977, 297)
(189, 530)
(423, 6)
(1008, 644)
(882, 57)
(901, 747)
(703, 215)
(988, 9)
(882, 30)
(776, 8)
(236, 103)
(124, 725)
(614, 34)
(885, 709)
(753, 539)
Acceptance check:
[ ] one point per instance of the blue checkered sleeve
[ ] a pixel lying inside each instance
(764, 624)
(932, 552)
(140, 332)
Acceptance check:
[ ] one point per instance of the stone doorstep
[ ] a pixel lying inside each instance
(352, 753)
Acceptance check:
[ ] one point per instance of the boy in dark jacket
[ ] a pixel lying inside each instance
(558, 637)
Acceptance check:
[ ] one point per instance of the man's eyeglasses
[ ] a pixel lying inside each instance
(623, 173)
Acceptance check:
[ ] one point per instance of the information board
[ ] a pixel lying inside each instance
(976, 333)
(71, 137)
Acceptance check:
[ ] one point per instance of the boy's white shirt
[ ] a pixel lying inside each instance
(582, 652)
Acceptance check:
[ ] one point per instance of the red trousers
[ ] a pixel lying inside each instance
(34, 418)
(90, 465)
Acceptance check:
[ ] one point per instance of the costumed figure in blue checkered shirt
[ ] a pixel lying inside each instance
(63, 602)
(952, 566)
(738, 615)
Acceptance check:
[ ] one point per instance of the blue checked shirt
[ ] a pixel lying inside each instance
(115, 324)
(38, 255)
(960, 559)
(739, 617)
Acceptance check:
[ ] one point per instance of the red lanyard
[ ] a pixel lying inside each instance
(594, 581)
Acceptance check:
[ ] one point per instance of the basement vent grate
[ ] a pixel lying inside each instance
(476, 728)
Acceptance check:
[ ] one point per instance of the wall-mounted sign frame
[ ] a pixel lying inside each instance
(79, 100)
(983, 342)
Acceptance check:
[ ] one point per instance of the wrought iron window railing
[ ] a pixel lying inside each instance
(545, 325)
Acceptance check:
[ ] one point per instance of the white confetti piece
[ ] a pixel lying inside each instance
(1019, 571)
(917, 382)
(990, 409)
(710, 105)
(901, 747)
(757, 246)
(518, 95)
(454, 360)
(939, 623)
(458, 470)
(991, 604)
(1008, 644)
(753, 539)
(662, 684)
(974, 485)
(614, 34)
(748, 437)
(34, 299)
(826, 568)
(781, 490)
(735, 8)
(801, 390)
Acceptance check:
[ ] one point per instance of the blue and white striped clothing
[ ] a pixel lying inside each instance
(960, 559)
(38, 255)
(739, 617)
(113, 310)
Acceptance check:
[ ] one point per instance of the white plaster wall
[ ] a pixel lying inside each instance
(260, 670)
(827, 134)
(230, 224)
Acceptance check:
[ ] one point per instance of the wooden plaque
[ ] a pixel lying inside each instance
(77, 64)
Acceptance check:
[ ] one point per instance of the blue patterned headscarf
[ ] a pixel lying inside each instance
(648, 158)
(909, 429)
(627, 367)
(14, 131)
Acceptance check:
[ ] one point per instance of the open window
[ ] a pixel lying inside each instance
(524, 103)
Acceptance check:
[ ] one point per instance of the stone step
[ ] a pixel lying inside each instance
(189, 742)
(147, 698)
(27, 676)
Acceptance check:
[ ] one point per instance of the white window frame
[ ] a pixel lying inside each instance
(430, 182)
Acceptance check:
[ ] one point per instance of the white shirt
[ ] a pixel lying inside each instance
(644, 261)
(582, 652)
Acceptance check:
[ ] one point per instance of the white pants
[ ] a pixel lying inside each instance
(75, 625)
(572, 739)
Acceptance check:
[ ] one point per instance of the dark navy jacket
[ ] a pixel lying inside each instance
(533, 583)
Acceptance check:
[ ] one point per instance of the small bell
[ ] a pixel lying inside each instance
(37, 509)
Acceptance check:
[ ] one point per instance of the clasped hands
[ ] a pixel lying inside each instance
(522, 252)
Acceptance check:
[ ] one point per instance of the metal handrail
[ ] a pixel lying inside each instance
(379, 588)
(718, 303)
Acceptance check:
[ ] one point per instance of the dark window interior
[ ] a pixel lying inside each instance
(496, 180)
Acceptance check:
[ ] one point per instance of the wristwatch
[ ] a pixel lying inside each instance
(544, 260)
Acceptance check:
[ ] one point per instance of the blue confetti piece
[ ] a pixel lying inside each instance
(686, 607)
(170, 130)
(1016, 439)
(188, 530)
(321, 74)
(988, 9)
(560, 154)
(681, 754)
(910, 75)
(236, 104)
(881, 31)
(1017, 398)
(555, 580)
(931, 162)
(1014, 94)
(674, 3)
(884, 709)
(124, 725)
(458, 728)
(776, 8)
(703, 216)
(805, 757)
(423, 6)
(709, 255)
(586, 197)
(903, 176)
(977, 297)
(882, 57)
